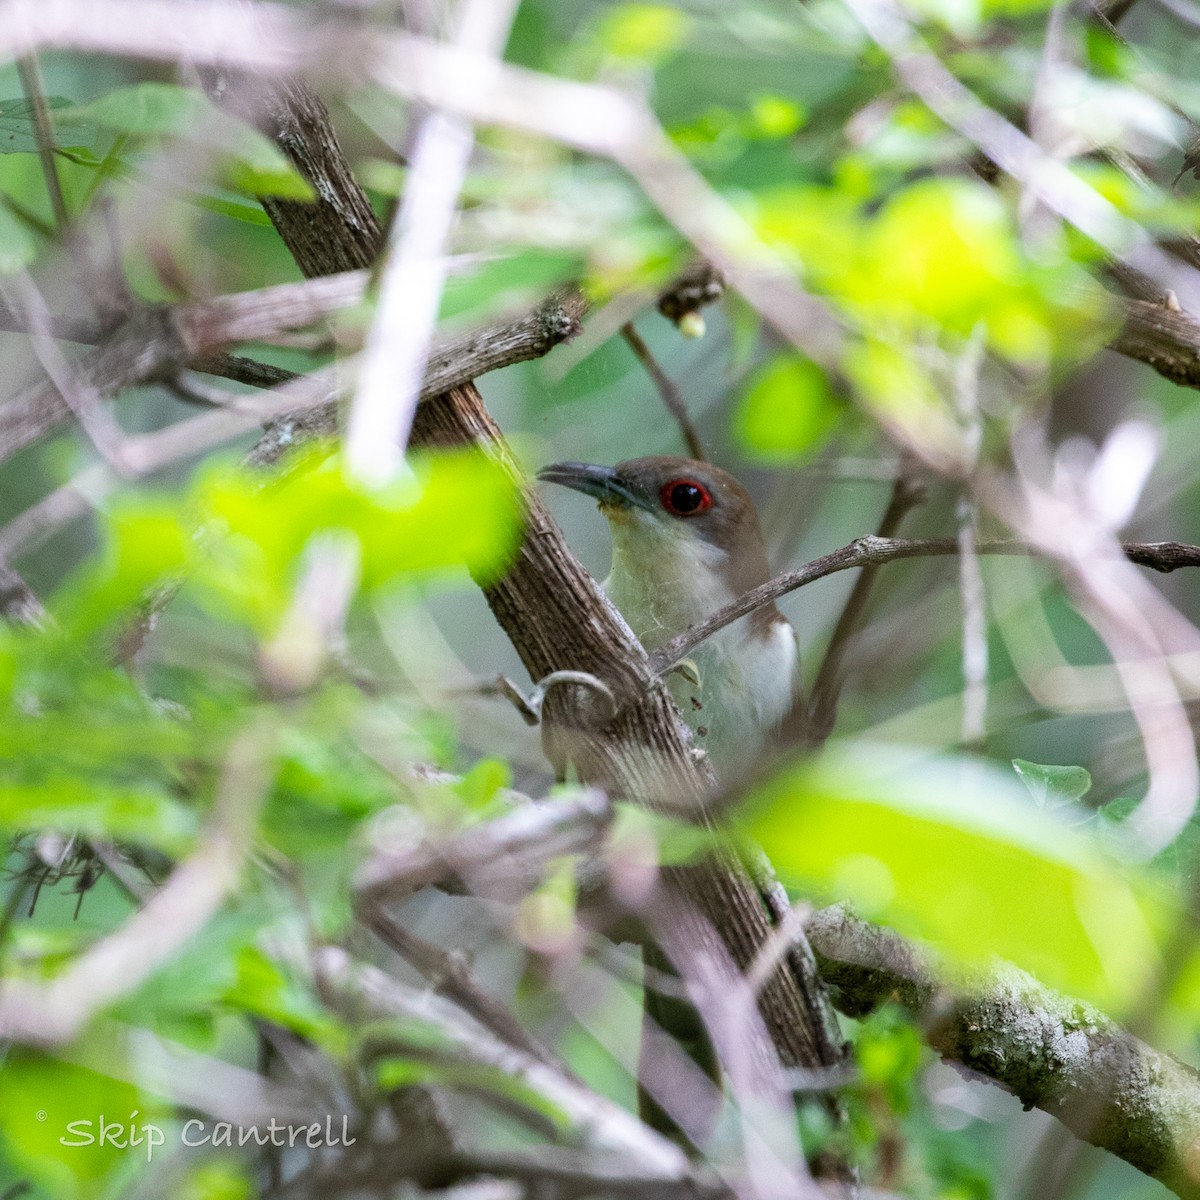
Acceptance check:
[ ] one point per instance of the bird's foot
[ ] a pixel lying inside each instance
(530, 706)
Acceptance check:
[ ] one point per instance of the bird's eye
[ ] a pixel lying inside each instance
(685, 497)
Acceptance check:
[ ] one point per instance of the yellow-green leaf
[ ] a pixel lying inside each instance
(952, 850)
(788, 410)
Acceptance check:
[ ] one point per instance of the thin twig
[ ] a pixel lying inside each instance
(450, 975)
(672, 397)
(31, 83)
(871, 551)
(907, 493)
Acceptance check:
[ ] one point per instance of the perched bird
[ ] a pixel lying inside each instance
(686, 540)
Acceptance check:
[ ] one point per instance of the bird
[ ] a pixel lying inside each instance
(686, 540)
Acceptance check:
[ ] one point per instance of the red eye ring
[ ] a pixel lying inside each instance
(685, 497)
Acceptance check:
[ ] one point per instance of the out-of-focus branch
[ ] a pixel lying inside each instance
(18, 603)
(510, 852)
(871, 551)
(603, 1127)
(1055, 1053)
(414, 264)
(156, 344)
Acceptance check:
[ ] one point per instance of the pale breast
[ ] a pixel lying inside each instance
(748, 683)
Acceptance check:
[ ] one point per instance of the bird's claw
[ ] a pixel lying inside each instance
(530, 707)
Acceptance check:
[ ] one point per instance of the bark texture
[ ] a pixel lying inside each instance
(1052, 1052)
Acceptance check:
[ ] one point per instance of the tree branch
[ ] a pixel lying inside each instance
(157, 343)
(1163, 338)
(871, 551)
(558, 619)
(906, 494)
(1054, 1053)
(672, 397)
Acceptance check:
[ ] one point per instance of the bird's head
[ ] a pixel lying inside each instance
(680, 527)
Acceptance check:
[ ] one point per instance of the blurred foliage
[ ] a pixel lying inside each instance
(934, 847)
(334, 626)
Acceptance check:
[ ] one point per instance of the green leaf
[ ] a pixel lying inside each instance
(147, 108)
(888, 1051)
(788, 410)
(96, 808)
(504, 282)
(146, 541)
(18, 128)
(457, 510)
(263, 988)
(952, 850)
(40, 1097)
(250, 213)
(256, 165)
(643, 33)
(483, 783)
(1051, 786)
(776, 116)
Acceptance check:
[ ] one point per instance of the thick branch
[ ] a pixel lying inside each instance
(1052, 1052)
(872, 551)
(1163, 338)
(558, 619)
